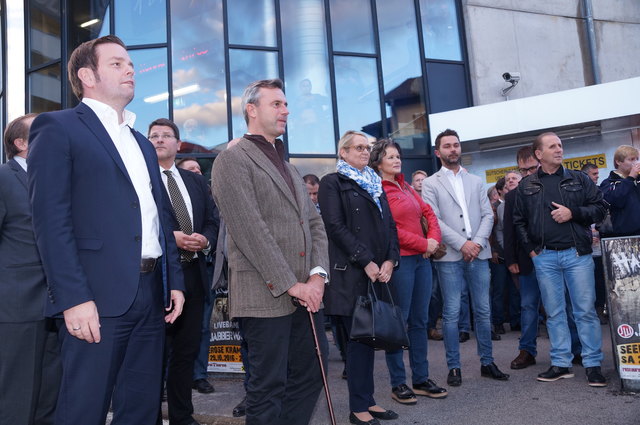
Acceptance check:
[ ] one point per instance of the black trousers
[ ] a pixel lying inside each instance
(285, 376)
(183, 345)
(30, 372)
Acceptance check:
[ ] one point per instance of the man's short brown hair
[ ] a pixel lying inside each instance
(537, 143)
(447, 132)
(166, 123)
(524, 153)
(85, 56)
(17, 129)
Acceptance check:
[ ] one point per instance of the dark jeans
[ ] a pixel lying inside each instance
(601, 291)
(435, 304)
(501, 284)
(285, 380)
(183, 342)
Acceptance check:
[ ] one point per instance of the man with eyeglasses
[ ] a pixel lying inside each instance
(195, 229)
(466, 219)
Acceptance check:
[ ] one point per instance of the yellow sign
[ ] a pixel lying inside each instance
(495, 174)
(600, 160)
(224, 353)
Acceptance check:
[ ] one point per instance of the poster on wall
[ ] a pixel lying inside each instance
(224, 348)
(621, 257)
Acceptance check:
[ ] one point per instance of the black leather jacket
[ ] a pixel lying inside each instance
(578, 193)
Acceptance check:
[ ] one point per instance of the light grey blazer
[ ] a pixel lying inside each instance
(274, 238)
(440, 195)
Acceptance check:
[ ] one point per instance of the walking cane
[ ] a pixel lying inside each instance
(327, 394)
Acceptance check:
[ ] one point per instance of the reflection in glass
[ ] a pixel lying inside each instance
(247, 66)
(151, 97)
(402, 73)
(411, 165)
(44, 36)
(357, 95)
(318, 166)
(44, 89)
(304, 43)
(252, 22)
(447, 87)
(141, 22)
(199, 90)
(351, 26)
(440, 29)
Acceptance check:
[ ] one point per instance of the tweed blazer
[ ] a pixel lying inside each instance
(274, 237)
(438, 192)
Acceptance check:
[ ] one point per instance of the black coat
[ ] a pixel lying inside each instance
(357, 235)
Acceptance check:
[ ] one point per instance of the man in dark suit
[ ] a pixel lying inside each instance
(277, 249)
(196, 230)
(29, 356)
(103, 226)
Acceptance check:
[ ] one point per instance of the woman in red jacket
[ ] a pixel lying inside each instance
(412, 280)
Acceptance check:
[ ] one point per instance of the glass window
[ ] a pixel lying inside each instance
(44, 31)
(45, 89)
(440, 29)
(447, 87)
(306, 66)
(402, 73)
(199, 88)
(318, 166)
(252, 22)
(151, 100)
(351, 26)
(141, 22)
(357, 95)
(246, 66)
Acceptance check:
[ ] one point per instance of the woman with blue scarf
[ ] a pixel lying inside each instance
(363, 246)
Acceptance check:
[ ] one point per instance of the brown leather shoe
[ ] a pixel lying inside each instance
(524, 359)
(435, 335)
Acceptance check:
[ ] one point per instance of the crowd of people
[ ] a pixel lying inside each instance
(112, 253)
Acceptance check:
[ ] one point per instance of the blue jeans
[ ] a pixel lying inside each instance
(411, 284)
(554, 270)
(454, 277)
(435, 305)
(529, 312)
(464, 323)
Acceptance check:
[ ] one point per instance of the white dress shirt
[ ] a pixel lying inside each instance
(21, 161)
(458, 187)
(183, 189)
(134, 162)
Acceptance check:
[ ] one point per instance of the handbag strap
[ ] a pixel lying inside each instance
(372, 291)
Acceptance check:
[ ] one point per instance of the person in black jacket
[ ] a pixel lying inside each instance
(554, 209)
(363, 246)
(622, 193)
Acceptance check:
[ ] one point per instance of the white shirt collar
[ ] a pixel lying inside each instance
(106, 112)
(21, 161)
(449, 172)
(173, 169)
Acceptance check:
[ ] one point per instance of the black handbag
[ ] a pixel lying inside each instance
(377, 323)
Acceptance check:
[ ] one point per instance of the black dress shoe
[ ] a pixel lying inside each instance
(241, 409)
(495, 336)
(430, 389)
(464, 336)
(554, 373)
(455, 377)
(499, 329)
(354, 420)
(387, 415)
(403, 394)
(203, 386)
(595, 377)
(492, 371)
(524, 359)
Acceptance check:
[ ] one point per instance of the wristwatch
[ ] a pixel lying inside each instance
(323, 275)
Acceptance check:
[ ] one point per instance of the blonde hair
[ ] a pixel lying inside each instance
(623, 152)
(347, 137)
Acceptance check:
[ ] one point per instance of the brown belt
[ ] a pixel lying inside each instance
(148, 265)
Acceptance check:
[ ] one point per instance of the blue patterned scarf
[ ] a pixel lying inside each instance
(366, 179)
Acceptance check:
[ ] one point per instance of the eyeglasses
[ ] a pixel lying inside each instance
(526, 171)
(360, 148)
(165, 136)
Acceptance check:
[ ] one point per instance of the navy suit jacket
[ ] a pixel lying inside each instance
(22, 286)
(206, 219)
(86, 214)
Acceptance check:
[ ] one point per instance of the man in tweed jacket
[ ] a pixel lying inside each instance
(277, 251)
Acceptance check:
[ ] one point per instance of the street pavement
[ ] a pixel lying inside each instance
(479, 401)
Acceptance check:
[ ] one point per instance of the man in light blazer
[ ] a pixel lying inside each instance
(103, 226)
(465, 217)
(277, 250)
(29, 353)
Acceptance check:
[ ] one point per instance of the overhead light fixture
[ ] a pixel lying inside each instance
(176, 93)
(89, 23)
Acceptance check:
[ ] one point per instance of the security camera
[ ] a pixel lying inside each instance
(511, 77)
